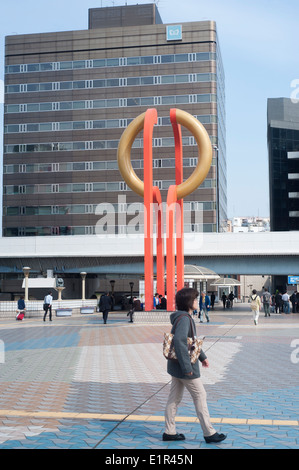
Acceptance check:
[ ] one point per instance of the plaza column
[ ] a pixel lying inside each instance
(26, 271)
(83, 276)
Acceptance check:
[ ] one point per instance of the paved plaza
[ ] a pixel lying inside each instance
(75, 383)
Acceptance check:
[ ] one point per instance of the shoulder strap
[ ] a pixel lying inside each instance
(179, 318)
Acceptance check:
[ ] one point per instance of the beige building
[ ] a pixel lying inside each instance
(70, 95)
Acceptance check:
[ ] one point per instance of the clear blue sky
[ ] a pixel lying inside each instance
(259, 45)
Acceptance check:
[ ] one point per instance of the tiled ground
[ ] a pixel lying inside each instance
(76, 383)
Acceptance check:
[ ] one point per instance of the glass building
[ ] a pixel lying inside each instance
(283, 147)
(70, 95)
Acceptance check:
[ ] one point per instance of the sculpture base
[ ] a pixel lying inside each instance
(152, 316)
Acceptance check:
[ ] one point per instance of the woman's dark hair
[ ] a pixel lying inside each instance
(185, 297)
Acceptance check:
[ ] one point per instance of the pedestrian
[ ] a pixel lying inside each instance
(204, 307)
(278, 302)
(21, 308)
(266, 298)
(156, 301)
(231, 298)
(48, 305)
(186, 375)
(286, 302)
(162, 302)
(105, 305)
(213, 297)
(293, 301)
(255, 304)
(224, 298)
(297, 302)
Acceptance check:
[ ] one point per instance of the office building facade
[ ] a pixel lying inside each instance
(283, 148)
(70, 95)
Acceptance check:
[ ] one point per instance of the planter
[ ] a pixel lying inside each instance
(87, 310)
(64, 312)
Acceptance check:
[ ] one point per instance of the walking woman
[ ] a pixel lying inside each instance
(187, 375)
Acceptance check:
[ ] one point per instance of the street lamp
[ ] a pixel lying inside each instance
(83, 276)
(26, 271)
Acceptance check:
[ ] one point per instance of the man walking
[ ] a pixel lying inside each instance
(266, 302)
(48, 306)
(105, 305)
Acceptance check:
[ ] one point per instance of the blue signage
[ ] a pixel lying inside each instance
(293, 279)
(174, 32)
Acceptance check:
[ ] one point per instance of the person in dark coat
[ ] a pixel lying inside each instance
(185, 374)
(105, 306)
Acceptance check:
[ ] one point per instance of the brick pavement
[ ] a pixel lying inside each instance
(76, 383)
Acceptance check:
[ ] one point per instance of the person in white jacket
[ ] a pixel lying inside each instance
(255, 305)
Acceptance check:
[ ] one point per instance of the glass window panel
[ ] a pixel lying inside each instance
(79, 64)
(168, 99)
(112, 62)
(168, 141)
(146, 60)
(78, 145)
(12, 210)
(113, 186)
(113, 103)
(112, 144)
(99, 63)
(166, 59)
(99, 186)
(78, 187)
(66, 85)
(9, 169)
(79, 125)
(13, 68)
(99, 165)
(66, 65)
(77, 209)
(99, 124)
(31, 189)
(13, 128)
(32, 127)
(112, 165)
(182, 78)
(203, 56)
(98, 144)
(64, 126)
(168, 163)
(182, 99)
(45, 86)
(147, 80)
(133, 60)
(32, 87)
(79, 84)
(45, 147)
(33, 67)
(66, 105)
(112, 82)
(78, 166)
(66, 166)
(45, 167)
(112, 123)
(65, 187)
(13, 108)
(167, 79)
(132, 81)
(78, 104)
(135, 164)
(46, 66)
(203, 98)
(13, 88)
(181, 58)
(43, 210)
(203, 77)
(99, 103)
(148, 101)
(133, 102)
(43, 107)
(99, 83)
(45, 126)
(32, 148)
(65, 146)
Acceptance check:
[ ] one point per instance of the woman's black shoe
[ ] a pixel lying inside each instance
(173, 437)
(215, 438)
